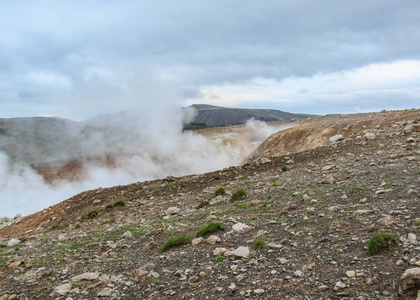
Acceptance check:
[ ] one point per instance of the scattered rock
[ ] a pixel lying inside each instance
(106, 292)
(85, 276)
(13, 242)
(410, 280)
(197, 241)
(127, 235)
(213, 239)
(336, 138)
(350, 274)
(61, 290)
(339, 286)
(172, 211)
(242, 252)
(240, 227)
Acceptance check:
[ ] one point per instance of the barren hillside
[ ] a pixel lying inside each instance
(300, 232)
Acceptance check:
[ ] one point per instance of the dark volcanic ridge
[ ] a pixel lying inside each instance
(216, 116)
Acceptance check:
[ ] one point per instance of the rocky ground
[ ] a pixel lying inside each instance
(313, 222)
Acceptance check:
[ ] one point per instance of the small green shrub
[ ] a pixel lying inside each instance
(109, 206)
(246, 164)
(238, 195)
(220, 191)
(212, 227)
(380, 242)
(417, 223)
(284, 169)
(176, 241)
(119, 203)
(202, 204)
(245, 204)
(259, 243)
(216, 176)
(115, 204)
(92, 214)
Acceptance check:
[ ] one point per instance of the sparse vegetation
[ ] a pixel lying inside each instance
(238, 195)
(115, 204)
(259, 243)
(220, 191)
(202, 204)
(92, 214)
(176, 241)
(212, 227)
(380, 242)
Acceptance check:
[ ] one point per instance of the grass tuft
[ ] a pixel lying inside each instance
(92, 214)
(220, 191)
(380, 242)
(212, 227)
(176, 241)
(238, 195)
(259, 243)
(284, 168)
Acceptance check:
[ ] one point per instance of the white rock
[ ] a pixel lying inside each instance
(13, 242)
(127, 235)
(240, 227)
(339, 285)
(409, 279)
(350, 274)
(412, 238)
(259, 291)
(275, 246)
(298, 273)
(106, 292)
(172, 211)
(219, 251)
(62, 237)
(17, 216)
(61, 290)
(336, 138)
(370, 136)
(213, 239)
(85, 276)
(197, 241)
(242, 251)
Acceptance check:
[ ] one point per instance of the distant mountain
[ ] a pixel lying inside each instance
(36, 140)
(215, 116)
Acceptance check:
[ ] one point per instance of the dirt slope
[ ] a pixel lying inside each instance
(316, 132)
(316, 219)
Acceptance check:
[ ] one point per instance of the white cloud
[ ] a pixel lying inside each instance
(378, 84)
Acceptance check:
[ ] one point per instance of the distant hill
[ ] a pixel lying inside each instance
(216, 116)
(35, 140)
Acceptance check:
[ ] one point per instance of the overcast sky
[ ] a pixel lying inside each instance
(77, 59)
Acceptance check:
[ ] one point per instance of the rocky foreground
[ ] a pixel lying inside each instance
(301, 231)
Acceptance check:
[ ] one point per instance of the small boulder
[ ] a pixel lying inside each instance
(61, 290)
(240, 227)
(336, 138)
(172, 211)
(242, 252)
(85, 276)
(410, 280)
(127, 235)
(13, 242)
(213, 239)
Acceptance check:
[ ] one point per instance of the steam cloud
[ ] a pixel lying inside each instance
(143, 146)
